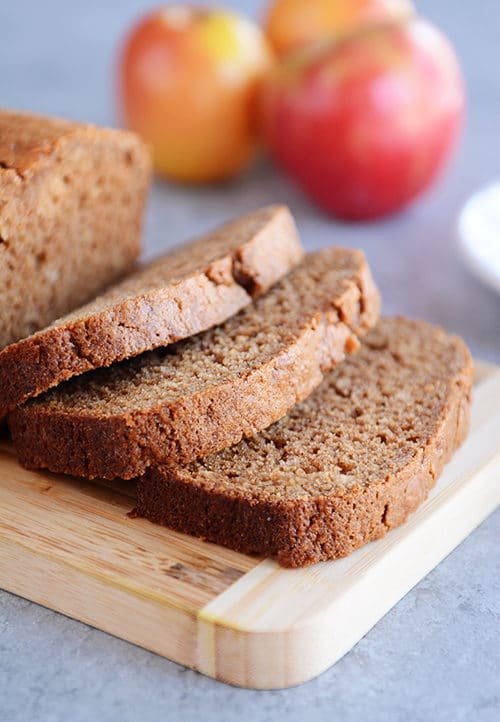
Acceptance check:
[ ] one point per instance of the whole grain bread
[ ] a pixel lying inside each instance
(186, 291)
(204, 393)
(71, 204)
(344, 467)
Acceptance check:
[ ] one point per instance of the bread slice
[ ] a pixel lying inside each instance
(204, 393)
(184, 292)
(344, 467)
(71, 204)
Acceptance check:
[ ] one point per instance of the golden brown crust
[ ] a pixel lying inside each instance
(209, 391)
(26, 138)
(71, 204)
(273, 508)
(177, 296)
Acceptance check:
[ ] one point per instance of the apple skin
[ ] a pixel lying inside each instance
(366, 124)
(294, 24)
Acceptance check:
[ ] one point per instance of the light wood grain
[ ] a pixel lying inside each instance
(69, 544)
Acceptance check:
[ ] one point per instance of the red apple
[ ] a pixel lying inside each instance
(366, 124)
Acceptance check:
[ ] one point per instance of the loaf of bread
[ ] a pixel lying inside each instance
(206, 392)
(345, 466)
(180, 294)
(71, 204)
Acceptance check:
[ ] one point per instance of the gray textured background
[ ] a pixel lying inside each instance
(436, 656)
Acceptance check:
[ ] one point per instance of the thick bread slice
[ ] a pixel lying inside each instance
(184, 292)
(344, 467)
(204, 393)
(71, 204)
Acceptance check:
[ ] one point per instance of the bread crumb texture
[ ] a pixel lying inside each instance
(343, 467)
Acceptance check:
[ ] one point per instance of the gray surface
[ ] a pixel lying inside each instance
(436, 656)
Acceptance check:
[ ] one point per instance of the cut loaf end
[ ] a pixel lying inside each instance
(71, 205)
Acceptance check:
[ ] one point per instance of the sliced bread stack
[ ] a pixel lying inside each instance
(198, 396)
(251, 389)
(186, 291)
(343, 467)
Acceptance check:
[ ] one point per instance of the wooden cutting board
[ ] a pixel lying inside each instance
(68, 544)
